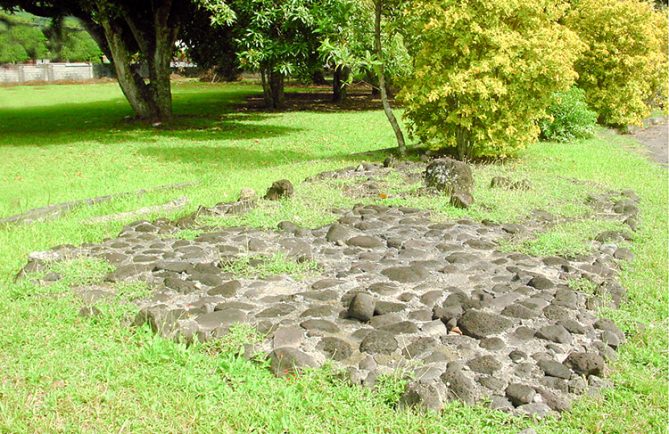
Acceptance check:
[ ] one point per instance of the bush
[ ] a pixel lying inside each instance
(484, 72)
(570, 117)
(625, 65)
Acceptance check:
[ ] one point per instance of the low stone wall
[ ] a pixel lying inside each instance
(52, 72)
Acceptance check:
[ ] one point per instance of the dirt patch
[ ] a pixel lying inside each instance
(655, 137)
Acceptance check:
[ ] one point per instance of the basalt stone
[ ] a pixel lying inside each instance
(221, 318)
(480, 324)
(517, 356)
(556, 313)
(326, 283)
(520, 394)
(519, 311)
(378, 342)
(419, 347)
(320, 295)
(362, 307)
(500, 403)
(281, 309)
(554, 401)
(320, 325)
(383, 288)
(573, 326)
(365, 241)
(405, 274)
(384, 320)
(558, 384)
(541, 283)
(288, 336)
(554, 333)
(404, 327)
(449, 176)
(338, 233)
(423, 396)
(335, 348)
(448, 312)
(207, 279)
(606, 324)
(536, 410)
(485, 364)
(420, 315)
(493, 383)
(623, 254)
(492, 344)
(554, 369)
(287, 361)
(384, 307)
(431, 297)
(227, 289)
(586, 363)
(282, 188)
(319, 311)
(460, 386)
(234, 305)
(462, 200)
(179, 285)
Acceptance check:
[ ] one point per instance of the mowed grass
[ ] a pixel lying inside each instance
(62, 372)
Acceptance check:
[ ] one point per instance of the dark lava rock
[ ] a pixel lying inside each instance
(555, 333)
(335, 348)
(338, 233)
(424, 396)
(288, 360)
(485, 364)
(403, 327)
(462, 200)
(320, 325)
(365, 241)
(180, 285)
(572, 326)
(554, 369)
(520, 394)
(228, 289)
(280, 309)
(492, 344)
(519, 311)
(480, 324)
(555, 401)
(361, 307)
(378, 342)
(541, 283)
(449, 176)
(384, 307)
(623, 254)
(586, 363)
(459, 385)
(280, 189)
(221, 318)
(420, 346)
(405, 274)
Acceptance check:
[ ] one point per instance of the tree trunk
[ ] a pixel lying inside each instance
(272, 88)
(150, 99)
(339, 83)
(380, 70)
(318, 77)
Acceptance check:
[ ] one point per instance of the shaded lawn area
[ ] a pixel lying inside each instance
(61, 372)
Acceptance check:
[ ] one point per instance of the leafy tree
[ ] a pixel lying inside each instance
(625, 65)
(484, 72)
(21, 40)
(128, 32)
(210, 47)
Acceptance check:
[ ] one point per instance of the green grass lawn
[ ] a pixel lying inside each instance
(63, 372)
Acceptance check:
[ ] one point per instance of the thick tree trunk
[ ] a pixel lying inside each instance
(273, 88)
(339, 83)
(150, 99)
(380, 69)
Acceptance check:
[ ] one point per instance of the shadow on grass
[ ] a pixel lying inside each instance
(198, 116)
(230, 156)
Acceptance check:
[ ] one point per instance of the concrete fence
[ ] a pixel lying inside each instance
(25, 73)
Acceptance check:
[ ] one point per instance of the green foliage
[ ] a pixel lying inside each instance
(484, 72)
(624, 69)
(26, 37)
(569, 117)
(21, 41)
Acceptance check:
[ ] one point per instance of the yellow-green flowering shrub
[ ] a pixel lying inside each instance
(625, 65)
(484, 71)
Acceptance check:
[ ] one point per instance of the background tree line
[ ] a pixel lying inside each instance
(483, 78)
(25, 37)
